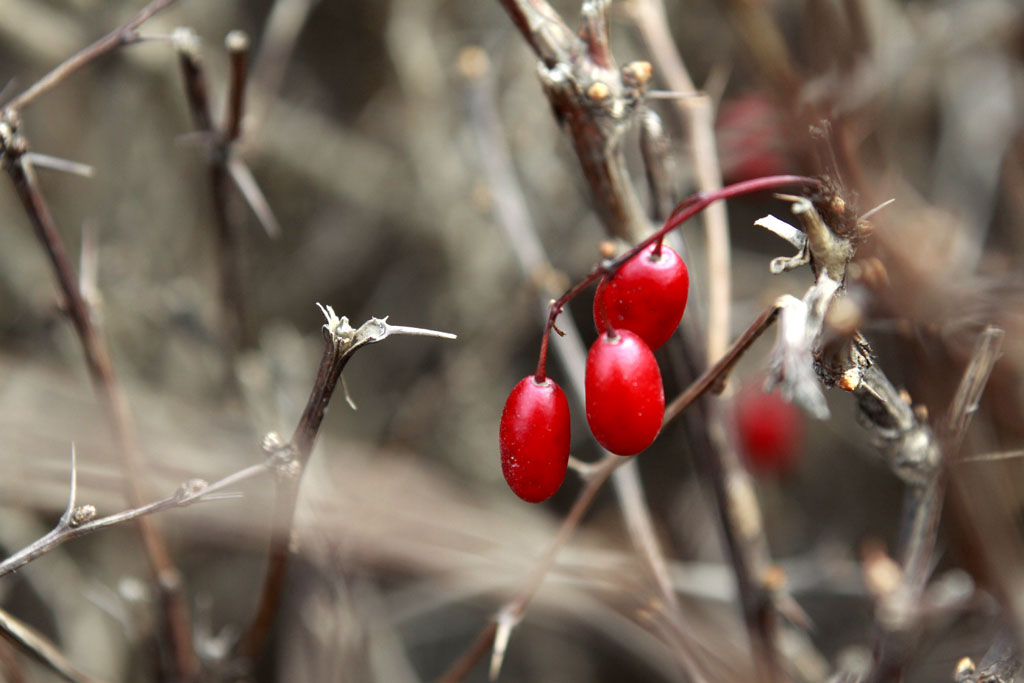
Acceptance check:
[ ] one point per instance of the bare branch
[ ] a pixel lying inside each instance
(76, 521)
(13, 147)
(341, 341)
(237, 44)
(123, 35)
(37, 646)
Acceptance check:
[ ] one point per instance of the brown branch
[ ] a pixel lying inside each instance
(78, 520)
(593, 100)
(714, 379)
(237, 44)
(122, 35)
(40, 648)
(340, 342)
(219, 146)
(101, 373)
(922, 514)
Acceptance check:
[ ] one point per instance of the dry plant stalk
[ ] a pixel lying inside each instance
(224, 166)
(13, 147)
(341, 341)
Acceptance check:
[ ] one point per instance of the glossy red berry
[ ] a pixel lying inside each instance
(770, 429)
(534, 439)
(647, 295)
(625, 399)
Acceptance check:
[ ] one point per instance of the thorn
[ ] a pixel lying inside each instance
(57, 164)
(348, 397)
(507, 620)
(878, 208)
(254, 197)
(416, 331)
(4, 91)
(222, 495)
(88, 267)
(65, 519)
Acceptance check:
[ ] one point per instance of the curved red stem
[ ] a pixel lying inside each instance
(684, 211)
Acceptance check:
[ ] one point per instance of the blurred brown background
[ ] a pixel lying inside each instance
(361, 140)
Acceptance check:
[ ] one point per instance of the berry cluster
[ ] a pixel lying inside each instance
(639, 306)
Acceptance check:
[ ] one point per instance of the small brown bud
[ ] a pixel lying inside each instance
(472, 62)
(773, 578)
(921, 412)
(838, 205)
(905, 397)
(850, 380)
(882, 575)
(607, 249)
(82, 515)
(598, 91)
(637, 74)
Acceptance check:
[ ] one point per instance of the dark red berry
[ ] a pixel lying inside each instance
(647, 295)
(534, 438)
(770, 429)
(625, 399)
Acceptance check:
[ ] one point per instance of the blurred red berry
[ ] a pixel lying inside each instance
(750, 138)
(770, 429)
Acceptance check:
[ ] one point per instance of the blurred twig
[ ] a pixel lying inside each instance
(37, 646)
(219, 143)
(125, 34)
(924, 502)
(13, 147)
(696, 112)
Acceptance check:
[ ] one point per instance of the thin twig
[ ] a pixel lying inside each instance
(923, 511)
(39, 647)
(237, 44)
(720, 370)
(229, 269)
(341, 341)
(122, 35)
(101, 372)
(74, 522)
(696, 111)
(592, 99)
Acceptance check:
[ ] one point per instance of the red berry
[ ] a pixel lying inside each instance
(534, 438)
(647, 295)
(625, 399)
(770, 429)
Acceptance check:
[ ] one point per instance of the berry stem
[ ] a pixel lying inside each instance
(684, 211)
